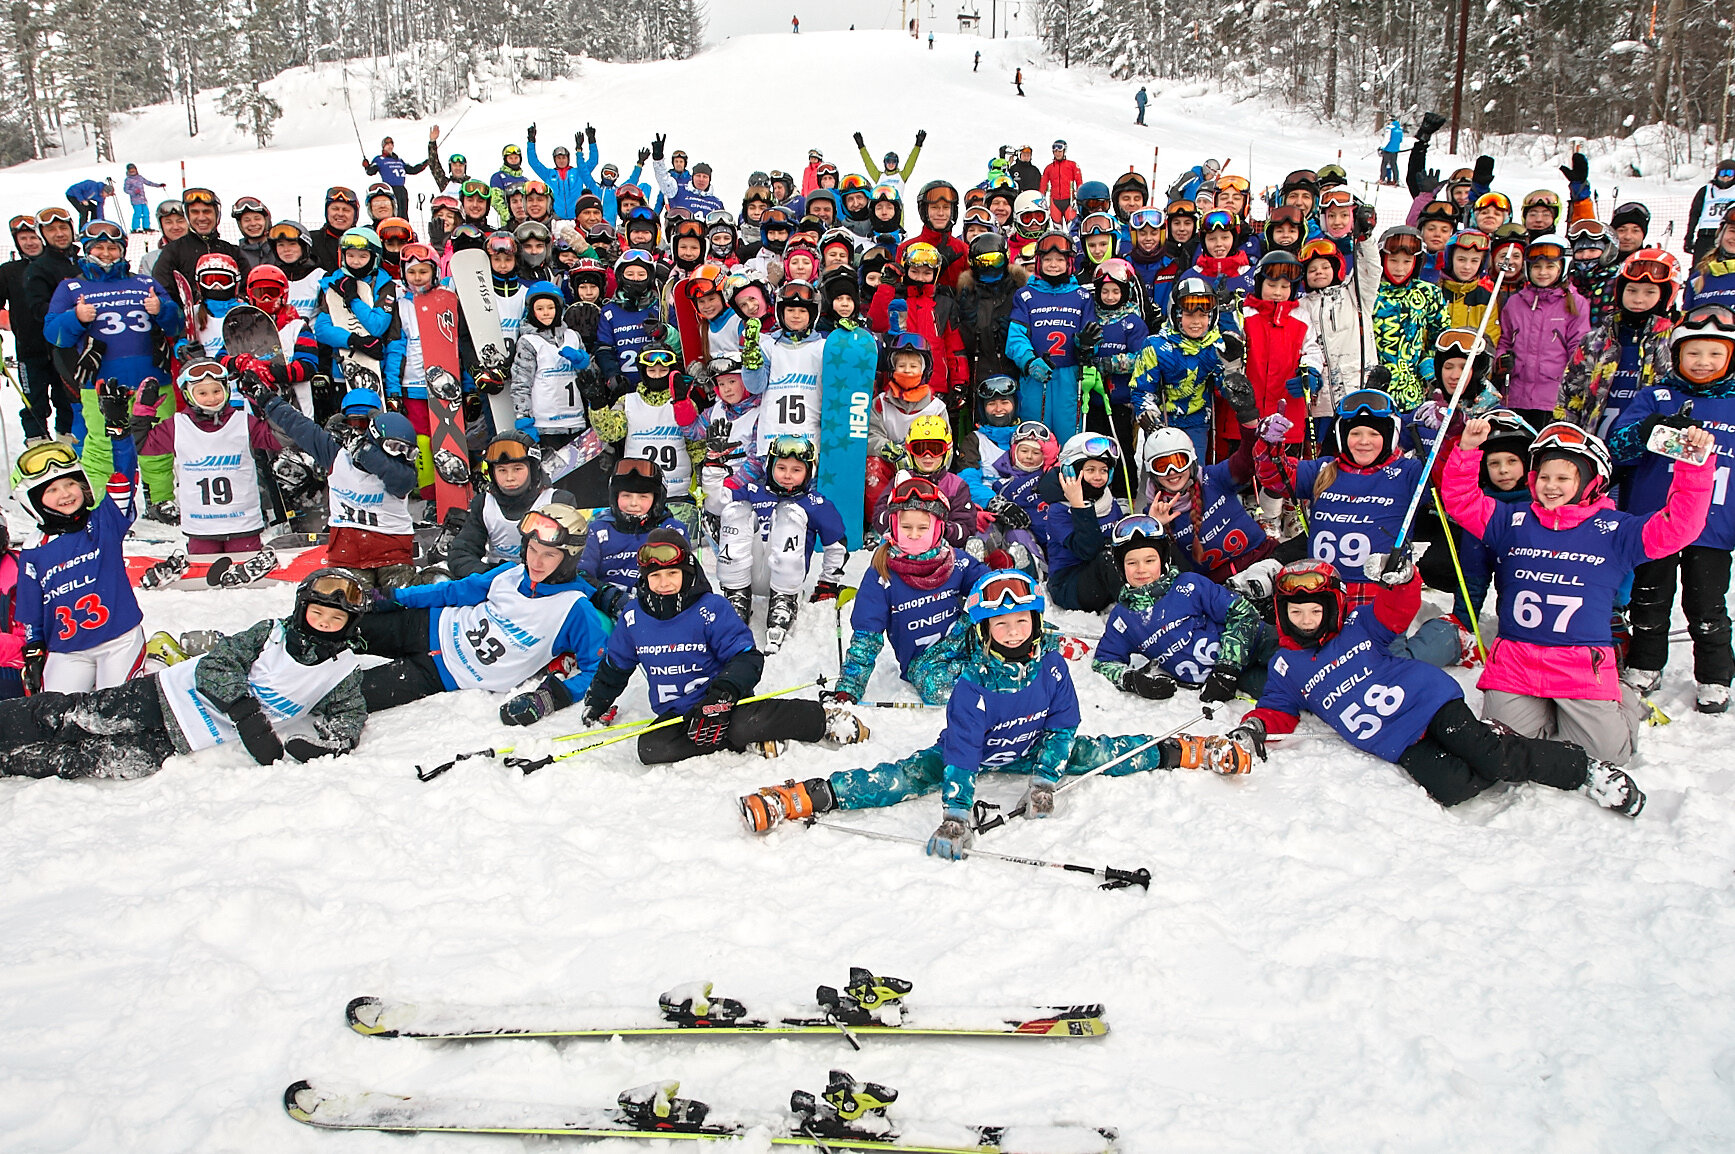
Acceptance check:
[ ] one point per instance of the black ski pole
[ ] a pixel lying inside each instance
(1113, 879)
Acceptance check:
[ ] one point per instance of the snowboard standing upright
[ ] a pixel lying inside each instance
(360, 371)
(846, 393)
(248, 331)
(473, 281)
(437, 323)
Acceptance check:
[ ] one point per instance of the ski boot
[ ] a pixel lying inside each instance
(1610, 787)
(1210, 751)
(164, 512)
(171, 568)
(164, 648)
(780, 619)
(692, 1005)
(1713, 698)
(845, 1109)
(742, 600)
(1021, 558)
(770, 748)
(654, 1106)
(196, 641)
(1643, 681)
(842, 727)
(977, 548)
(791, 801)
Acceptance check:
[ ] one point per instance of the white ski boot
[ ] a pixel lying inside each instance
(1713, 698)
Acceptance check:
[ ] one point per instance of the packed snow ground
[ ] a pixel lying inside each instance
(1326, 960)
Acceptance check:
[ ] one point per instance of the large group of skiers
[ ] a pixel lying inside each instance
(1209, 419)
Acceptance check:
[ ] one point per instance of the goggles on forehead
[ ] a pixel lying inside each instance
(1316, 578)
(1134, 527)
(341, 586)
(199, 196)
(540, 527)
(661, 555)
(1337, 198)
(39, 460)
(1147, 218)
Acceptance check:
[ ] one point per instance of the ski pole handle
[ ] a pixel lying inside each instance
(431, 774)
(1115, 879)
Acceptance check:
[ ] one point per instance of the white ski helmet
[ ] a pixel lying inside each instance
(1034, 205)
(1165, 442)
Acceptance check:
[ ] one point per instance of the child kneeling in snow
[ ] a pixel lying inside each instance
(699, 661)
(914, 590)
(768, 527)
(1339, 666)
(1191, 630)
(291, 686)
(1013, 710)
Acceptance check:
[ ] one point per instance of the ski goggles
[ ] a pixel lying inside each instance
(1179, 461)
(1054, 242)
(1003, 591)
(338, 194)
(51, 214)
(355, 240)
(1134, 527)
(509, 452)
(999, 388)
(1546, 250)
(993, 258)
(854, 182)
(199, 372)
(501, 242)
(1718, 317)
(1402, 243)
(657, 358)
(661, 555)
(1505, 422)
(248, 204)
(476, 188)
(287, 230)
(399, 231)
(915, 489)
(543, 529)
(1195, 303)
(536, 188)
(401, 449)
(418, 252)
(1650, 271)
(789, 445)
(38, 461)
(1582, 229)
(1366, 403)
(928, 447)
(1097, 224)
(1232, 184)
(1148, 218)
(1279, 270)
(1286, 214)
(635, 466)
(341, 586)
(171, 208)
(796, 292)
(102, 230)
(1568, 436)
(723, 366)
(1463, 341)
(458, 158)
(1496, 200)
(1318, 247)
(1305, 577)
(1218, 220)
(25, 221)
(1032, 217)
(1097, 446)
(1337, 198)
(200, 196)
(1181, 208)
(678, 154)
(1032, 431)
(1301, 178)
(922, 255)
(1473, 239)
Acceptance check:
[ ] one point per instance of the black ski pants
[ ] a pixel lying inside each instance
(115, 732)
(411, 674)
(779, 719)
(1461, 755)
(1704, 590)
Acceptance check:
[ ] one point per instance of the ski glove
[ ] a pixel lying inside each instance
(837, 697)
(1296, 386)
(1484, 174)
(530, 134)
(1366, 220)
(1274, 428)
(1009, 515)
(1428, 181)
(644, 155)
(382, 601)
(1432, 122)
(255, 728)
(921, 136)
(1379, 377)
(348, 288)
(859, 142)
(1038, 370)
(1655, 421)
(1219, 686)
(1234, 348)
(1148, 683)
(1088, 338)
(1238, 391)
(1250, 733)
(1394, 568)
(1578, 172)
(346, 435)
(1038, 800)
(529, 708)
(116, 402)
(35, 657)
(657, 145)
(367, 346)
(952, 837)
(709, 719)
(302, 749)
(1431, 413)
(608, 600)
(590, 134)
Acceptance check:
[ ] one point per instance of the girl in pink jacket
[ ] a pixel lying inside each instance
(1559, 561)
(1540, 327)
(12, 637)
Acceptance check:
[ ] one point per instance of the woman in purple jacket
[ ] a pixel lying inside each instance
(1540, 326)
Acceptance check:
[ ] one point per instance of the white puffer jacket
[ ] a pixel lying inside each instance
(1343, 321)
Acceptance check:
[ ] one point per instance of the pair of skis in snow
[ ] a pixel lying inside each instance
(846, 1115)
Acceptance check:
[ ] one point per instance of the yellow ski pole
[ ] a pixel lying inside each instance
(1463, 586)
